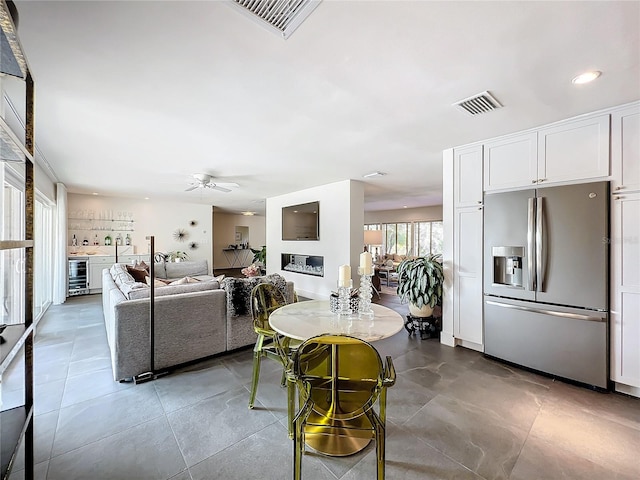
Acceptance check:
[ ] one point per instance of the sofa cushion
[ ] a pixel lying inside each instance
(178, 270)
(239, 292)
(127, 288)
(138, 273)
(173, 289)
(184, 280)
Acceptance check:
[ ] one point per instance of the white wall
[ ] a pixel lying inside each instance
(224, 229)
(341, 235)
(422, 214)
(151, 217)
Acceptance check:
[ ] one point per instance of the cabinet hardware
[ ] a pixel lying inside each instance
(534, 181)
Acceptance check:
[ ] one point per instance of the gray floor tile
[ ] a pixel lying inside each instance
(409, 459)
(604, 442)
(216, 423)
(191, 385)
(267, 453)
(48, 396)
(101, 417)
(473, 436)
(156, 456)
(542, 460)
(91, 385)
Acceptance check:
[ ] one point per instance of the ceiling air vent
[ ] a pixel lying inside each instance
(480, 103)
(282, 15)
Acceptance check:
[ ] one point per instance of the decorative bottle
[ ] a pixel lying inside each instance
(95, 240)
(107, 240)
(74, 241)
(118, 239)
(127, 240)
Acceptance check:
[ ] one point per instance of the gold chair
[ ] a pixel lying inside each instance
(340, 378)
(265, 298)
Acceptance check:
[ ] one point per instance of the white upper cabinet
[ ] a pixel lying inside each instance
(511, 162)
(574, 150)
(570, 151)
(467, 172)
(625, 149)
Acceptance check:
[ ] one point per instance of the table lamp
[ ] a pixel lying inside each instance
(373, 238)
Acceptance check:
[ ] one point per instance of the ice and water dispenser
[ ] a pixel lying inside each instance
(507, 266)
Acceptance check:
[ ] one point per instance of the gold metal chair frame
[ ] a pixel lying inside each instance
(340, 379)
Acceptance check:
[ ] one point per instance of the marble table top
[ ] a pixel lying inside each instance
(303, 320)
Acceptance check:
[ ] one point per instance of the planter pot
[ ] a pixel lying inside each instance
(425, 311)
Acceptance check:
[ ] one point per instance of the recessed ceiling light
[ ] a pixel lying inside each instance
(374, 174)
(248, 214)
(146, 198)
(586, 77)
(404, 206)
(94, 193)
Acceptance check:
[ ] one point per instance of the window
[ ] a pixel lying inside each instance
(43, 260)
(12, 261)
(410, 238)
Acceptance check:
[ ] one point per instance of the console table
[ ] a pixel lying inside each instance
(236, 257)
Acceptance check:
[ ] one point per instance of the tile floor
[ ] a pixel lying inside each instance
(452, 414)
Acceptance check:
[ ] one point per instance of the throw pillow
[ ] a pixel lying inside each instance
(156, 283)
(137, 273)
(184, 280)
(142, 264)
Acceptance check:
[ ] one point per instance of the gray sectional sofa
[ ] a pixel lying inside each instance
(192, 320)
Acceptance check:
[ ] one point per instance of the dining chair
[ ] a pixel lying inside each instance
(340, 378)
(265, 298)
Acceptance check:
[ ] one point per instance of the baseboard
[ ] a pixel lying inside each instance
(627, 389)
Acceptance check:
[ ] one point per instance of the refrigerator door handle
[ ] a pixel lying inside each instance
(531, 275)
(575, 316)
(540, 250)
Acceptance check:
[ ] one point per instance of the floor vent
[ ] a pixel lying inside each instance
(282, 15)
(480, 103)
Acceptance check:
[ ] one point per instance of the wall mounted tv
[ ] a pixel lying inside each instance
(301, 222)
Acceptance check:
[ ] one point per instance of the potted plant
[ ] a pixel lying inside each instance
(177, 256)
(260, 256)
(420, 283)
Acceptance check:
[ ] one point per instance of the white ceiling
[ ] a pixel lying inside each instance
(134, 96)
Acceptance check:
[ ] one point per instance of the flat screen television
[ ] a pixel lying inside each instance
(301, 222)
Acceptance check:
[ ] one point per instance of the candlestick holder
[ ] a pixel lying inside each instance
(344, 300)
(364, 305)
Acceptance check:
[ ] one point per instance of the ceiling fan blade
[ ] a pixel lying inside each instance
(227, 184)
(192, 187)
(219, 188)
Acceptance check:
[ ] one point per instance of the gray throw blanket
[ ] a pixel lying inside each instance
(239, 292)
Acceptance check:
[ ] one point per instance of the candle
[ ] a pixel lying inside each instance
(366, 263)
(344, 277)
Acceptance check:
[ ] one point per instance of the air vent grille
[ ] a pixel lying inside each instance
(480, 103)
(283, 15)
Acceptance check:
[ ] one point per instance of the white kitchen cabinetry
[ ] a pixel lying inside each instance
(467, 171)
(625, 292)
(511, 162)
(96, 265)
(574, 150)
(625, 149)
(570, 151)
(625, 249)
(467, 277)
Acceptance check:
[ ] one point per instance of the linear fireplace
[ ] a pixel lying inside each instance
(305, 264)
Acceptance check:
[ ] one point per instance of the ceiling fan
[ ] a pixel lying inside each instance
(203, 180)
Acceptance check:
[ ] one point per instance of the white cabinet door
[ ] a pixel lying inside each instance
(625, 149)
(467, 176)
(467, 275)
(625, 289)
(574, 150)
(511, 162)
(96, 265)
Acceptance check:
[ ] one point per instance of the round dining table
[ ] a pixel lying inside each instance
(303, 320)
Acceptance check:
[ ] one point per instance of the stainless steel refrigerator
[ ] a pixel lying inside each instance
(546, 274)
